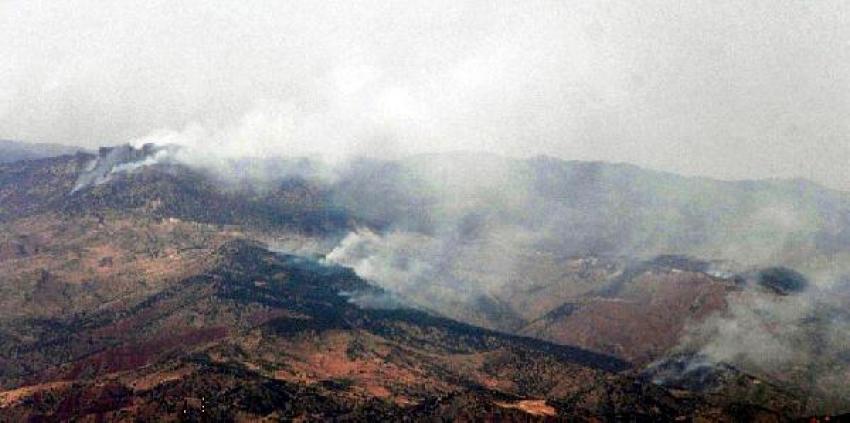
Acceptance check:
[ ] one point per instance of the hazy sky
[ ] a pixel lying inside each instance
(724, 89)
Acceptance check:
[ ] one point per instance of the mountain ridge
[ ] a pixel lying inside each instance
(497, 264)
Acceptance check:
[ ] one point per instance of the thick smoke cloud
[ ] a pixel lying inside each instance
(727, 89)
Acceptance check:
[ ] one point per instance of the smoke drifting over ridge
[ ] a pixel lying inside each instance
(799, 341)
(459, 234)
(728, 89)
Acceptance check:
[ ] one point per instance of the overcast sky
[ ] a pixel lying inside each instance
(725, 89)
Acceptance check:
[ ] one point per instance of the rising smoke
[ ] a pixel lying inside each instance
(379, 96)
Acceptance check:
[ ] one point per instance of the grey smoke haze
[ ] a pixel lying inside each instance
(725, 89)
(802, 339)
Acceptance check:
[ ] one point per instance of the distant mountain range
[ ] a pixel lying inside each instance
(11, 151)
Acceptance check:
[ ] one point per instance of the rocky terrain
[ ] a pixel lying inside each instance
(135, 287)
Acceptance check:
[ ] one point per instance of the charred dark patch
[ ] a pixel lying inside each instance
(782, 280)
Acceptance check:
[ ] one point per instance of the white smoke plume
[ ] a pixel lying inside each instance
(799, 342)
(120, 159)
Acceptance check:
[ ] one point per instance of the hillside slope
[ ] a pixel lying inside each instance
(132, 287)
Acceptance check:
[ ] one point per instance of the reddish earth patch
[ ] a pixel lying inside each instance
(149, 381)
(643, 323)
(133, 356)
(10, 397)
(327, 358)
(533, 407)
